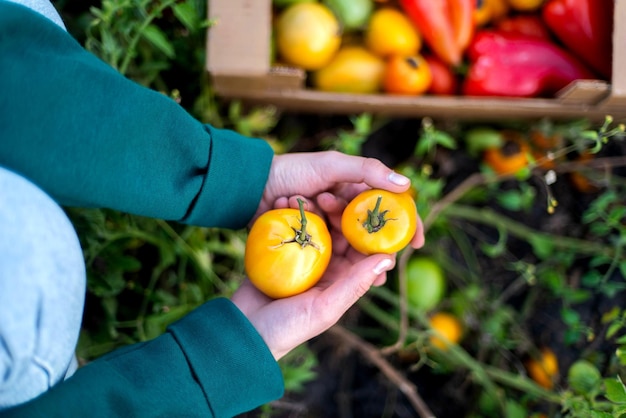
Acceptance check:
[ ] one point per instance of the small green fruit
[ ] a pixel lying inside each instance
(426, 283)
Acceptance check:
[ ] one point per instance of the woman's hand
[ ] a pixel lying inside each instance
(344, 176)
(286, 323)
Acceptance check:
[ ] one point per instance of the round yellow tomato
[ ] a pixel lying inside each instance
(352, 70)
(287, 251)
(545, 369)
(307, 35)
(525, 5)
(391, 32)
(448, 330)
(379, 221)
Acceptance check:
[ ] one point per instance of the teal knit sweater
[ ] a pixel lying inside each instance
(92, 138)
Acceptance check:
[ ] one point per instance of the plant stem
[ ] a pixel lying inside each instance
(490, 217)
(132, 46)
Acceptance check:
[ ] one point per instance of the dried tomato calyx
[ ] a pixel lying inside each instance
(375, 218)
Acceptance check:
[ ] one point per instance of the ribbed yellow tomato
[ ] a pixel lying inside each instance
(287, 251)
(379, 221)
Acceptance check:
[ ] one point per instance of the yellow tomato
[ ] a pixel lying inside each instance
(287, 251)
(448, 330)
(544, 369)
(525, 5)
(307, 35)
(353, 70)
(488, 11)
(379, 221)
(390, 32)
(407, 75)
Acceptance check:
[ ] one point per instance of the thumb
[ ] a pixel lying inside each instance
(346, 292)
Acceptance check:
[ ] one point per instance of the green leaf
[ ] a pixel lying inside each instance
(444, 139)
(157, 38)
(570, 316)
(478, 139)
(499, 247)
(515, 410)
(621, 355)
(615, 390)
(592, 278)
(186, 14)
(543, 246)
(511, 200)
(600, 414)
(613, 329)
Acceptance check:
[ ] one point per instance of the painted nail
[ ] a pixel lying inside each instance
(383, 266)
(398, 179)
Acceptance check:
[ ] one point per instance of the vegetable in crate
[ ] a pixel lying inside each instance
(490, 11)
(445, 81)
(525, 24)
(307, 35)
(391, 32)
(407, 75)
(511, 65)
(353, 14)
(447, 26)
(586, 28)
(353, 69)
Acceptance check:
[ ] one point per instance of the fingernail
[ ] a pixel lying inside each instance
(383, 266)
(398, 179)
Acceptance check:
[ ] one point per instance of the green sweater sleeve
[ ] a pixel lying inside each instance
(212, 363)
(92, 138)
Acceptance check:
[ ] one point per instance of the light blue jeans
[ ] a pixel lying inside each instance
(42, 291)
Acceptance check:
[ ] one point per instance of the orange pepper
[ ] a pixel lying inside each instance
(446, 25)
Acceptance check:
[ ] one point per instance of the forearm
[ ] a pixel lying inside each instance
(212, 363)
(90, 137)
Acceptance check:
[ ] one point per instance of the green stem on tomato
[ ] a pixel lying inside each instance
(302, 237)
(375, 218)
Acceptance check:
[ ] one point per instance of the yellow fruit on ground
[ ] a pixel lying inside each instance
(307, 35)
(448, 330)
(545, 369)
(390, 32)
(353, 70)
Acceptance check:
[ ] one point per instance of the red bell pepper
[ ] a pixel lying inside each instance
(585, 27)
(511, 65)
(525, 24)
(447, 26)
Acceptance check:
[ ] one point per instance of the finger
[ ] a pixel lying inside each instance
(418, 240)
(333, 206)
(281, 203)
(335, 167)
(307, 204)
(342, 294)
(248, 298)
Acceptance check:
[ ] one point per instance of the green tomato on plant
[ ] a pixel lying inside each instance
(426, 283)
